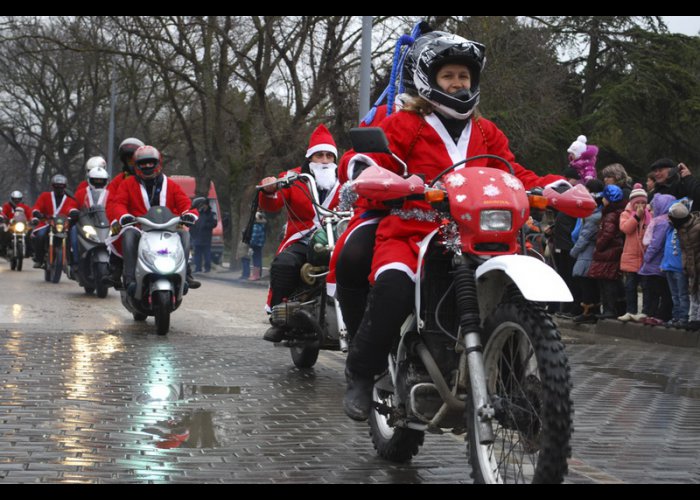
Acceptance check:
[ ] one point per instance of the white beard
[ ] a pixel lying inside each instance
(324, 174)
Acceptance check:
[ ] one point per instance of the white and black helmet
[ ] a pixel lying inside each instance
(16, 197)
(94, 162)
(98, 178)
(432, 51)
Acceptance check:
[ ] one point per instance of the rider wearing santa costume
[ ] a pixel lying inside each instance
(149, 187)
(302, 219)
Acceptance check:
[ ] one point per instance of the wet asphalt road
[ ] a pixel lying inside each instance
(89, 395)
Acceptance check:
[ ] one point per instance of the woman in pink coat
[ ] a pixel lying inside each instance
(633, 223)
(433, 131)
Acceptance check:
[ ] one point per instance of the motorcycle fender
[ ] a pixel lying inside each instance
(102, 257)
(537, 281)
(162, 284)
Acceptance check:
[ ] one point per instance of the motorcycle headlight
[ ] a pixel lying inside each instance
(19, 227)
(165, 265)
(59, 228)
(89, 231)
(496, 220)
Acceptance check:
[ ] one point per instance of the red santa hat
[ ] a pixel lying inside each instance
(321, 140)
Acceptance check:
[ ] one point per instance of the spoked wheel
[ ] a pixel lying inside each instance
(397, 444)
(161, 309)
(528, 380)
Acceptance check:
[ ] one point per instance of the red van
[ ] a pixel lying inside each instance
(188, 184)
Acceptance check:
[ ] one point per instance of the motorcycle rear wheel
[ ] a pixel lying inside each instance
(305, 356)
(528, 378)
(396, 444)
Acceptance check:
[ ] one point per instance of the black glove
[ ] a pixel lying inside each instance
(37, 214)
(127, 219)
(34, 221)
(2, 219)
(188, 219)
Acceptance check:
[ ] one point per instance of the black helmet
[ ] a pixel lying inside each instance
(432, 51)
(126, 151)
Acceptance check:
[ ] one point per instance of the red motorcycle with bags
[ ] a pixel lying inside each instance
(479, 355)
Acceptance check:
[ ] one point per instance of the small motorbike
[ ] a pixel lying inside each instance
(18, 228)
(93, 259)
(312, 318)
(161, 269)
(479, 356)
(55, 259)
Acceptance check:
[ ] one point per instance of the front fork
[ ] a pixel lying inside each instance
(469, 325)
(51, 245)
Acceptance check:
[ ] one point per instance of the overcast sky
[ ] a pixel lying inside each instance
(688, 25)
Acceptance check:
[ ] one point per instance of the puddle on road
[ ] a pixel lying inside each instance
(195, 429)
(667, 385)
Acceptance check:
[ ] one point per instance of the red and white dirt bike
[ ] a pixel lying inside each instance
(479, 355)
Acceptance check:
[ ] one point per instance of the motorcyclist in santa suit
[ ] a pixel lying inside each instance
(149, 187)
(50, 204)
(8, 212)
(302, 219)
(437, 127)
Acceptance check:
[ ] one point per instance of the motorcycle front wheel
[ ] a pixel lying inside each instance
(56, 269)
(18, 258)
(305, 356)
(161, 310)
(528, 379)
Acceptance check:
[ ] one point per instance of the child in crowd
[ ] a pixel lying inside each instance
(660, 304)
(608, 249)
(633, 223)
(672, 266)
(583, 158)
(687, 226)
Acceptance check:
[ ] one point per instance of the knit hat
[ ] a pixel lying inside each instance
(638, 192)
(578, 147)
(321, 140)
(612, 193)
(678, 211)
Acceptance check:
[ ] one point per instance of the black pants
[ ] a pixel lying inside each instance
(284, 271)
(390, 302)
(352, 275)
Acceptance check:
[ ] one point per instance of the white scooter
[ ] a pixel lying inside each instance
(161, 269)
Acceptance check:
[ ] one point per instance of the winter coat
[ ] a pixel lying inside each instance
(301, 215)
(689, 237)
(585, 165)
(424, 143)
(584, 247)
(651, 265)
(47, 204)
(633, 250)
(608, 245)
(672, 259)
(8, 210)
(200, 233)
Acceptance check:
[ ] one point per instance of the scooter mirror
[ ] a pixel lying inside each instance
(369, 140)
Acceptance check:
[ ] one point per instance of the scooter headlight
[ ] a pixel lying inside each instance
(496, 220)
(164, 264)
(90, 233)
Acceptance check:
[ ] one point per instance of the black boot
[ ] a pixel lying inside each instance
(353, 302)
(191, 282)
(114, 278)
(357, 402)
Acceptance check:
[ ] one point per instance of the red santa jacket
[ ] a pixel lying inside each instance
(301, 215)
(427, 148)
(118, 179)
(132, 198)
(8, 210)
(49, 206)
(82, 199)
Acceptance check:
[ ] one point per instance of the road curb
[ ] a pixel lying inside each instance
(635, 331)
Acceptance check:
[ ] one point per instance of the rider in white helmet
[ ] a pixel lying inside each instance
(8, 211)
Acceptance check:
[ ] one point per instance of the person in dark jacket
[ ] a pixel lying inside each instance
(201, 237)
(675, 179)
(606, 256)
(257, 242)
